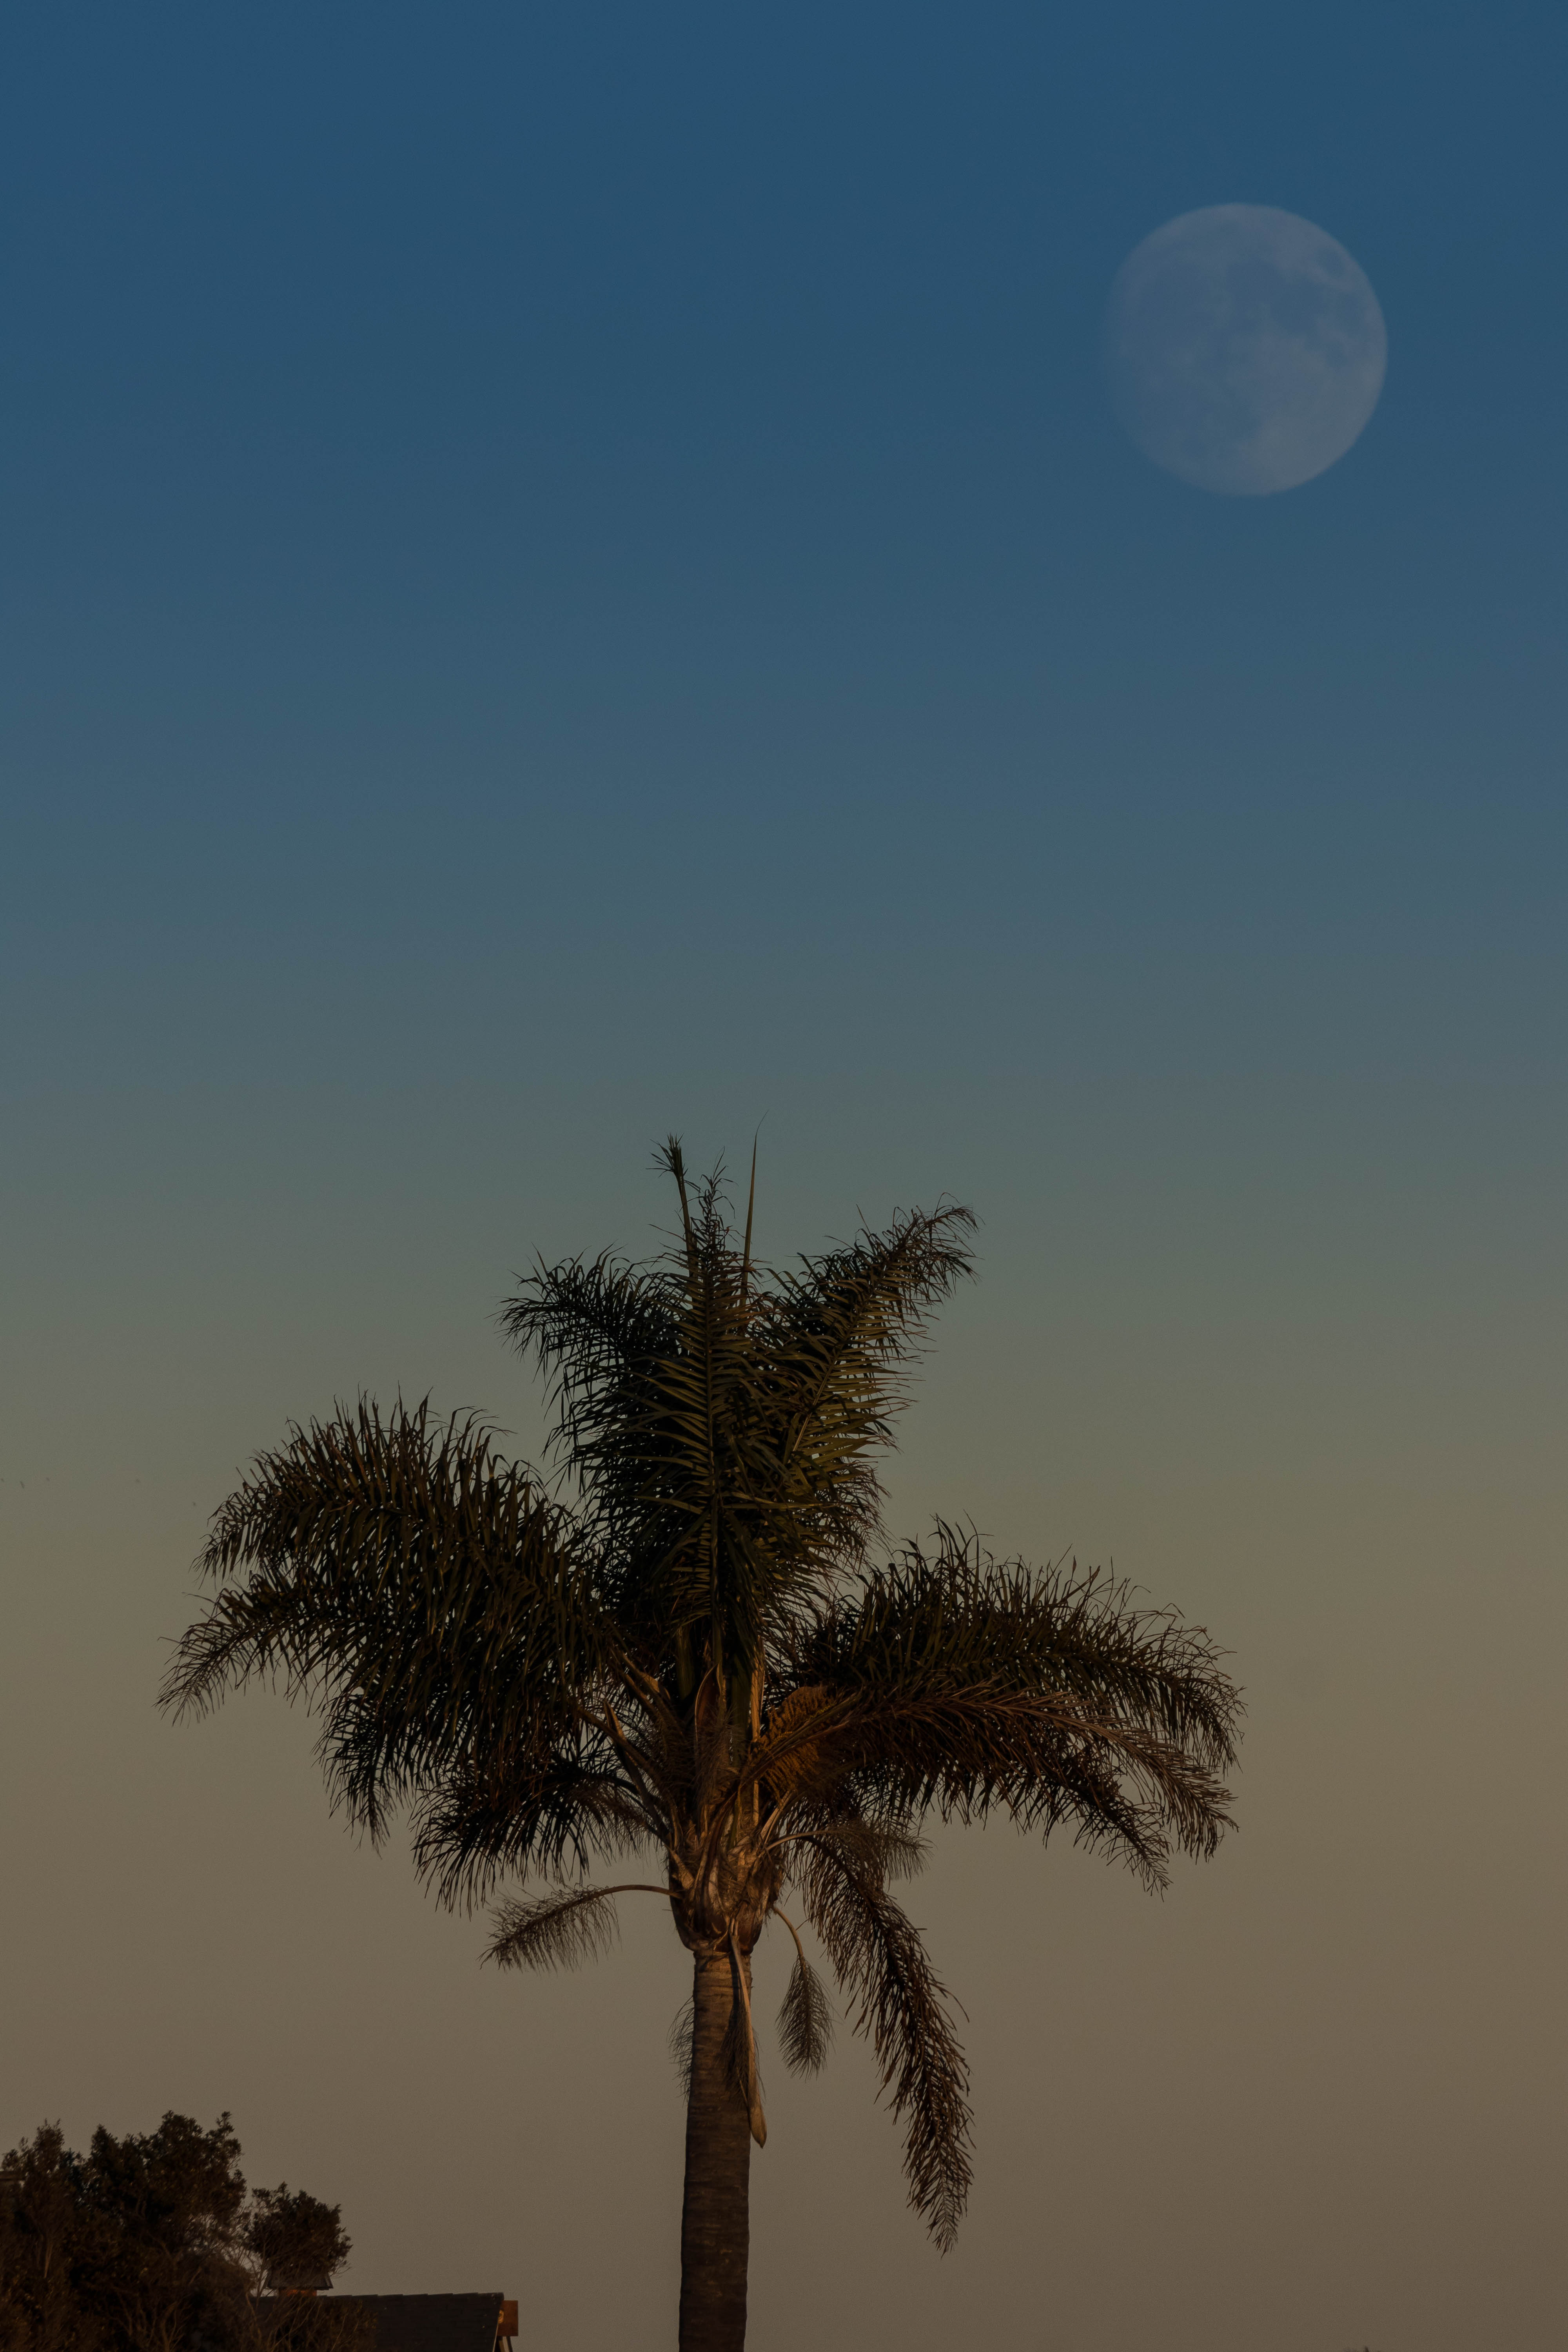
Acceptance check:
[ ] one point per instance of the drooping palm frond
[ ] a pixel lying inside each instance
(957, 1683)
(425, 1597)
(1045, 1765)
(805, 2019)
(475, 1828)
(927, 1617)
(560, 1930)
(678, 2042)
(900, 2004)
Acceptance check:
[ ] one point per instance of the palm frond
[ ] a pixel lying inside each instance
(858, 1313)
(887, 1847)
(594, 1326)
(424, 1595)
(958, 1616)
(1041, 1760)
(576, 1810)
(836, 1340)
(805, 2020)
(963, 1684)
(554, 1931)
(738, 2053)
(646, 1366)
(876, 1955)
(678, 2044)
(722, 1418)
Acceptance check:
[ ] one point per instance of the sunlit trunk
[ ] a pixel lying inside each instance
(715, 2223)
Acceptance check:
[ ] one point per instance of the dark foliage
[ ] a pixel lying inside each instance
(299, 2242)
(153, 2243)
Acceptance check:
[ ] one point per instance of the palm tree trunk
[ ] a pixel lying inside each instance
(715, 2220)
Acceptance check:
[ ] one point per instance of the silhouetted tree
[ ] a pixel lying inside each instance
(703, 1661)
(298, 2241)
(161, 2216)
(40, 2249)
(152, 2243)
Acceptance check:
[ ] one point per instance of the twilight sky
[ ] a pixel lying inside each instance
(569, 572)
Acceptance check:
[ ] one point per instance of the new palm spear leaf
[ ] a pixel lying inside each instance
(702, 1659)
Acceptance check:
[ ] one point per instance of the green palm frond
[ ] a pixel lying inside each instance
(473, 1830)
(844, 1327)
(956, 1610)
(836, 1340)
(720, 1419)
(1042, 1761)
(595, 1327)
(805, 2020)
(560, 1930)
(953, 1682)
(900, 2003)
(650, 1371)
(426, 1598)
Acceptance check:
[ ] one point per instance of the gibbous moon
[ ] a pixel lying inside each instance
(1244, 349)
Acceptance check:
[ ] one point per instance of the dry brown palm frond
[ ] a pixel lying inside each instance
(785, 1756)
(738, 2055)
(678, 2044)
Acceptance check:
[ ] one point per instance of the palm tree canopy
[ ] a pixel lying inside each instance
(701, 1655)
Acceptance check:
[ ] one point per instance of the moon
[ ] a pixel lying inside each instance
(1244, 348)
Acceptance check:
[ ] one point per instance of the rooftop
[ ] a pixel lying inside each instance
(437, 2322)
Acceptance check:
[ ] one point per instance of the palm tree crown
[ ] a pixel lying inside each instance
(710, 1656)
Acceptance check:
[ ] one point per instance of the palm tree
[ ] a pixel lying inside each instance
(707, 1657)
